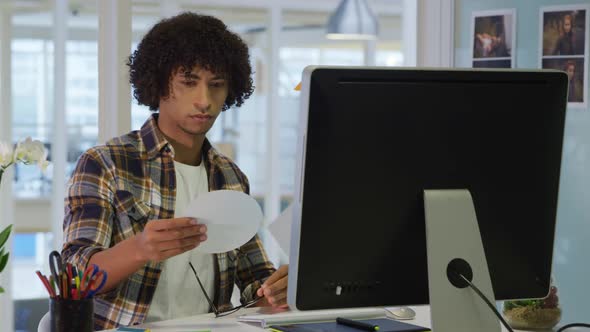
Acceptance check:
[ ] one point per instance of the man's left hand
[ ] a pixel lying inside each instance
(274, 288)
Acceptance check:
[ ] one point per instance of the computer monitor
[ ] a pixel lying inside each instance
(372, 140)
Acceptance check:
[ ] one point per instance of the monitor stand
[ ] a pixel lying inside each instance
(453, 240)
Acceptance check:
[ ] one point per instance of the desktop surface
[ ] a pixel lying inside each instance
(231, 324)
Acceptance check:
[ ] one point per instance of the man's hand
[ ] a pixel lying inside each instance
(162, 239)
(274, 288)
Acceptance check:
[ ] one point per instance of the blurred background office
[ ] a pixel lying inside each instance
(63, 80)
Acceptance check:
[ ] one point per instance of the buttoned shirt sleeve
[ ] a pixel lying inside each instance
(249, 282)
(89, 214)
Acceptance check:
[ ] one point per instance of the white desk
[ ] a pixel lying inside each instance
(203, 322)
(230, 324)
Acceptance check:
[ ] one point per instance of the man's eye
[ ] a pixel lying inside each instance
(217, 84)
(190, 83)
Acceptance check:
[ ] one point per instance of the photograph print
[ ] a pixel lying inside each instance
(564, 32)
(564, 46)
(493, 38)
(574, 68)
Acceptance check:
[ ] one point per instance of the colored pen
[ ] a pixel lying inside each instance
(357, 324)
(69, 276)
(64, 286)
(45, 284)
(52, 284)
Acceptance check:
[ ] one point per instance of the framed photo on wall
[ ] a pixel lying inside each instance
(493, 42)
(563, 45)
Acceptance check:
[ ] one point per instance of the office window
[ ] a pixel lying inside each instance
(32, 65)
(32, 84)
(81, 99)
(29, 253)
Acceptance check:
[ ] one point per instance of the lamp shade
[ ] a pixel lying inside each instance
(353, 19)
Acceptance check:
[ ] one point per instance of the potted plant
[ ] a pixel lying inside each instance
(534, 314)
(28, 151)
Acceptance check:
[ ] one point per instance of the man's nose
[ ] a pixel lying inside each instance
(202, 99)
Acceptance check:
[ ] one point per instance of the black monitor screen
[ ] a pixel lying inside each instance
(375, 139)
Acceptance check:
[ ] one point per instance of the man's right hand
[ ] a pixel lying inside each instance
(162, 239)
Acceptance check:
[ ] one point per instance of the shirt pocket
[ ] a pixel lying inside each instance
(132, 213)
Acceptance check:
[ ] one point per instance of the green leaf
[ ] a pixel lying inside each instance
(4, 235)
(3, 261)
(522, 303)
(508, 305)
(1, 290)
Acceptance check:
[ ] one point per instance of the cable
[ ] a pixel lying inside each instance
(563, 328)
(478, 292)
(485, 299)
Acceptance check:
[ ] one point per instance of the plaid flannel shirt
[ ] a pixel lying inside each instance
(113, 192)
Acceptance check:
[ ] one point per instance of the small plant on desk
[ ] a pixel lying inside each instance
(533, 314)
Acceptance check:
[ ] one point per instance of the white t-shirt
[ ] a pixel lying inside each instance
(178, 293)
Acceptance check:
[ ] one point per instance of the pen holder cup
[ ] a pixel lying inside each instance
(71, 315)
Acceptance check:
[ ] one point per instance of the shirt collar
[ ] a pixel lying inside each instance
(155, 142)
(152, 137)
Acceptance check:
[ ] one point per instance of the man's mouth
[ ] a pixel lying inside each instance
(201, 117)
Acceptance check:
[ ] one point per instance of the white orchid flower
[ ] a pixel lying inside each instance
(6, 155)
(31, 151)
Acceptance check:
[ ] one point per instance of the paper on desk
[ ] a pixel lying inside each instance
(295, 316)
(232, 219)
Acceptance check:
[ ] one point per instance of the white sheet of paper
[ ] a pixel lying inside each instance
(232, 219)
(294, 316)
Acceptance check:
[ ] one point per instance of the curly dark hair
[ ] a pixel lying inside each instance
(184, 41)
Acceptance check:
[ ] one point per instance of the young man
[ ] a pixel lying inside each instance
(122, 198)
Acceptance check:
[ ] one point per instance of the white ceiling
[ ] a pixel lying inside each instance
(33, 17)
(156, 7)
